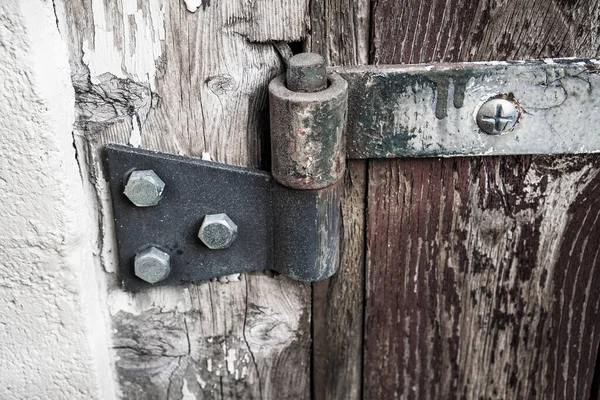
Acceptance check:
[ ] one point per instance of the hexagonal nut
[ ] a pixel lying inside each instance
(144, 188)
(218, 231)
(152, 265)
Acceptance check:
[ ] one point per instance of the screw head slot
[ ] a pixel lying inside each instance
(218, 231)
(497, 116)
(152, 265)
(144, 188)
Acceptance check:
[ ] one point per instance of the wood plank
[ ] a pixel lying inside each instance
(338, 303)
(424, 31)
(482, 273)
(340, 32)
(188, 78)
(481, 277)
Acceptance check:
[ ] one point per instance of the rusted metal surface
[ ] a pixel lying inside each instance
(307, 134)
(430, 110)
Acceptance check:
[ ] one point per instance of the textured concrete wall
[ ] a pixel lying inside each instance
(52, 333)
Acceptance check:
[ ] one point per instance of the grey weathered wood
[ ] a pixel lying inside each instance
(340, 32)
(155, 75)
(483, 278)
(338, 303)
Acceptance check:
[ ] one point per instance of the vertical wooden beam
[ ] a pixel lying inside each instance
(340, 32)
(188, 77)
(482, 273)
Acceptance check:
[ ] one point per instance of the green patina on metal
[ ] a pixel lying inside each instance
(307, 134)
(457, 79)
(373, 101)
(429, 110)
(322, 126)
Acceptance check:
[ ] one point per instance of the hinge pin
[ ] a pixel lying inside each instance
(306, 73)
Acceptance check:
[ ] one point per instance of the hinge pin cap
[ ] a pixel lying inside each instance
(306, 73)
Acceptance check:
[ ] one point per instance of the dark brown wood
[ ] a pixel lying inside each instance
(483, 276)
(425, 31)
(340, 32)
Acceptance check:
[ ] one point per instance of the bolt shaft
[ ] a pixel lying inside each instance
(306, 73)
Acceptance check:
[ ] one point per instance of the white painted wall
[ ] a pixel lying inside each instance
(53, 339)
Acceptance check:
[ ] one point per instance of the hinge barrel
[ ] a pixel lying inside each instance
(308, 147)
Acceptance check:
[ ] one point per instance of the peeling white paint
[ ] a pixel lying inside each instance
(186, 393)
(230, 360)
(132, 53)
(228, 278)
(136, 135)
(193, 5)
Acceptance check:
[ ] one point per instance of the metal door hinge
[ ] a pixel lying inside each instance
(181, 219)
(208, 219)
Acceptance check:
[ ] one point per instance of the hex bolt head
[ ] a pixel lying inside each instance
(497, 116)
(218, 231)
(152, 265)
(144, 188)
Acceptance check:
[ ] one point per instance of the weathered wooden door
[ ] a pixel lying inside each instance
(482, 277)
(460, 278)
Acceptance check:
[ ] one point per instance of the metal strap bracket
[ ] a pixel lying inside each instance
(436, 110)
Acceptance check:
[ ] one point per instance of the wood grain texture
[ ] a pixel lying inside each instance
(426, 31)
(338, 303)
(155, 75)
(482, 273)
(340, 32)
(482, 278)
